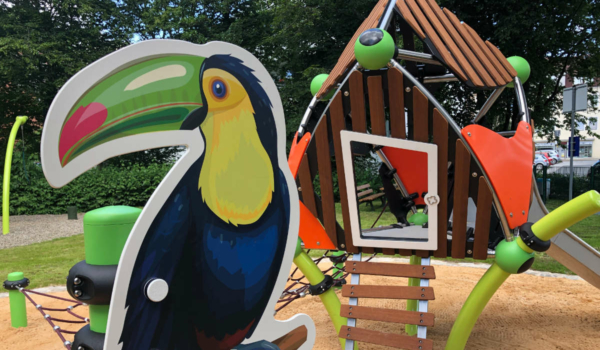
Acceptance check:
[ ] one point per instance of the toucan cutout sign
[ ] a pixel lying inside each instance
(220, 230)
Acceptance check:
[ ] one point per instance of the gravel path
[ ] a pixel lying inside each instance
(28, 229)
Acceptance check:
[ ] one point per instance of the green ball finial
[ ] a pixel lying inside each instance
(317, 82)
(511, 258)
(522, 67)
(374, 49)
(418, 219)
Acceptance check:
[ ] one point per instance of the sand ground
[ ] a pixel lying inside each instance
(529, 312)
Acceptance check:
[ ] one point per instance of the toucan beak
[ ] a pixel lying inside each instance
(97, 116)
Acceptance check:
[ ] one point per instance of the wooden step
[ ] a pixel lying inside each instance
(387, 339)
(388, 315)
(388, 292)
(389, 269)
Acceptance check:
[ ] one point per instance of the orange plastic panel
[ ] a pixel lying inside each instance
(412, 169)
(297, 152)
(312, 232)
(507, 163)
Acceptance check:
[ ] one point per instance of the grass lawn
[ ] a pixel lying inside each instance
(46, 263)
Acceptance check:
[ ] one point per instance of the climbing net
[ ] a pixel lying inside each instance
(54, 320)
(298, 286)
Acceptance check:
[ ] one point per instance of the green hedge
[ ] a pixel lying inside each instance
(131, 185)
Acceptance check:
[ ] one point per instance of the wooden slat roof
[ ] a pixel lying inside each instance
(347, 58)
(454, 43)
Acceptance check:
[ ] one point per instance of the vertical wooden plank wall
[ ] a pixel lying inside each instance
(482, 221)
(306, 186)
(461, 200)
(440, 138)
(377, 109)
(325, 179)
(338, 123)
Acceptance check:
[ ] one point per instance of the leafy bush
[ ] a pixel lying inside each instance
(559, 186)
(131, 185)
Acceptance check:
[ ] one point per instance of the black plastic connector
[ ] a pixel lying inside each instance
(86, 339)
(92, 284)
(531, 240)
(322, 287)
(338, 259)
(15, 285)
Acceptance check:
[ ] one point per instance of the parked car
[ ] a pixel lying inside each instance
(550, 160)
(553, 159)
(554, 154)
(540, 162)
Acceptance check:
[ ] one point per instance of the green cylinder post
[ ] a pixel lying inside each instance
(16, 300)
(6, 181)
(105, 232)
(413, 305)
(476, 302)
(315, 276)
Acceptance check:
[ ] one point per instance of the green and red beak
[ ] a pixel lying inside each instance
(149, 96)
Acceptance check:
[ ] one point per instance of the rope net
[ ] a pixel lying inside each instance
(298, 286)
(54, 321)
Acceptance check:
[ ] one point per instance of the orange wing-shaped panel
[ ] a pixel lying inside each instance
(508, 164)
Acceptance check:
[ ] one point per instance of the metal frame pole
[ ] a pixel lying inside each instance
(571, 142)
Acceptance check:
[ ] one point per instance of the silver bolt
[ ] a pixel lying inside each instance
(77, 281)
(511, 215)
(342, 245)
(77, 293)
(318, 243)
(346, 93)
(407, 89)
(469, 134)
(299, 189)
(469, 251)
(56, 328)
(474, 174)
(80, 348)
(523, 212)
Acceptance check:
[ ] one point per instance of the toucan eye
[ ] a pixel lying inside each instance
(219, 89)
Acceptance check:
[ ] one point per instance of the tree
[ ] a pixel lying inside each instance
(42, 44)
(556, 37)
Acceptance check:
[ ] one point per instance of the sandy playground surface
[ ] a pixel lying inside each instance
(529, 312)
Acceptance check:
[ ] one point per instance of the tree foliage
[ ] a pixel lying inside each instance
(556, 37)
(44, 42)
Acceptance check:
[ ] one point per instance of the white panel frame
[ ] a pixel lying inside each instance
(432, 197)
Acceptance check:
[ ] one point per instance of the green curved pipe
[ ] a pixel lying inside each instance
(7, 163)
(549, 226)
(314, 275)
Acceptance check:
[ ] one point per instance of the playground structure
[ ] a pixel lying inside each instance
(378, 100)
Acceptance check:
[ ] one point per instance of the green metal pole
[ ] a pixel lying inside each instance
(511, 257)
(476, 302)
(315, 276)
(7, 163)
(16, 300)
(338, 269)
(105, 232)
(413, 305)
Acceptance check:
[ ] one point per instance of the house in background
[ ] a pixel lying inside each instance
(589, 146)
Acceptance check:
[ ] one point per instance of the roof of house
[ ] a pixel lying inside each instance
(455, 44)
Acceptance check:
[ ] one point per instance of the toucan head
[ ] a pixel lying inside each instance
(153, 94)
